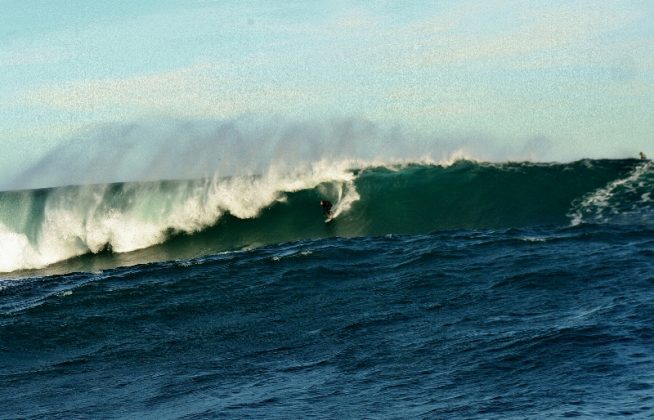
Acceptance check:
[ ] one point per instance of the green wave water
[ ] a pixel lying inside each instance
(128, 223)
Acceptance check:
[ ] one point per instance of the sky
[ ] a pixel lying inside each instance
(577, 75)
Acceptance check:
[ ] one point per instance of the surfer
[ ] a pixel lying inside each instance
(326, 207)
(642, 156)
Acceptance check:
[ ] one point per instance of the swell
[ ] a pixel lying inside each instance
(180, 219)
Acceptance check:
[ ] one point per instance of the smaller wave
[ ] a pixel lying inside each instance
(627, 200)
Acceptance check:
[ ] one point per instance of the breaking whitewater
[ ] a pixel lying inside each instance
(192, 218)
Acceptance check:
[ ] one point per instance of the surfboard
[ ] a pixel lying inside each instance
(330, 217)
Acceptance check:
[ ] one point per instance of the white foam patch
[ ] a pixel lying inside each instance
(534, 239)
(16, 252)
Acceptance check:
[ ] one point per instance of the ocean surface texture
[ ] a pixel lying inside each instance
(473, 290)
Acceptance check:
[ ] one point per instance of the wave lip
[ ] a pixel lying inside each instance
(170, 219)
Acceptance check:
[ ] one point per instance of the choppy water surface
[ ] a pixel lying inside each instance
(466, 323)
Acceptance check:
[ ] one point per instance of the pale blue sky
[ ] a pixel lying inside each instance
(579, 73)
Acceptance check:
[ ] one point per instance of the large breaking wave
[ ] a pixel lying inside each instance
(173, 219)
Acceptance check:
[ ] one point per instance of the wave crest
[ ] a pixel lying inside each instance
(175, 219)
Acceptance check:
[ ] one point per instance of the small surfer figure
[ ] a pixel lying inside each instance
(326, 207)
(642, 156)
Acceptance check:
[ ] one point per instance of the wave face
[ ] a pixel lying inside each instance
(183, 219)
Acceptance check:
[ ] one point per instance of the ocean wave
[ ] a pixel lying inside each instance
(41, 227)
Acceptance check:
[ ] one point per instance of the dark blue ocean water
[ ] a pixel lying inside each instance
(528, 322)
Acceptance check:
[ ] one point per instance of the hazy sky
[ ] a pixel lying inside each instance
(578, 73)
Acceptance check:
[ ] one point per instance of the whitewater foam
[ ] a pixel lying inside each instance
(127, 217)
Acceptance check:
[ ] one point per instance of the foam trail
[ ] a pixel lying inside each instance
(346, 194)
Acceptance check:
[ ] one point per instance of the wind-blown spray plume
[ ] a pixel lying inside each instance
(173, 150)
